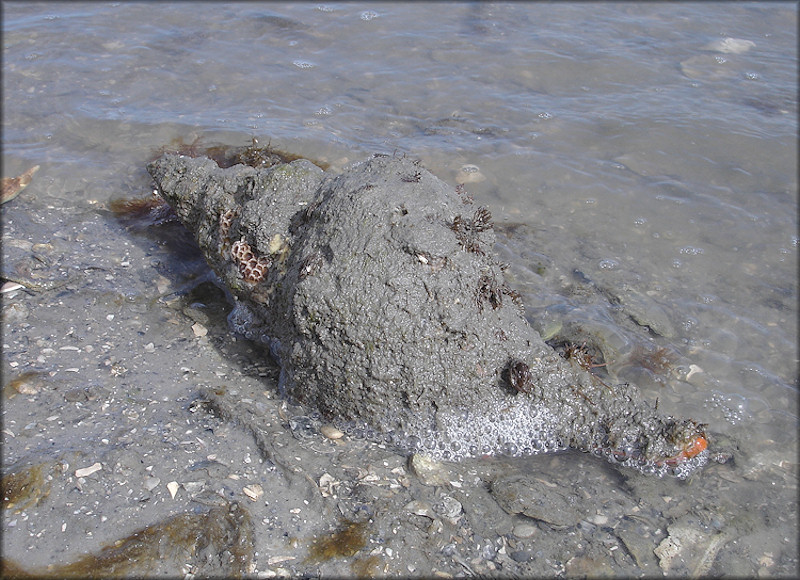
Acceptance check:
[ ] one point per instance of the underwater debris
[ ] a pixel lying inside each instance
(11, 186)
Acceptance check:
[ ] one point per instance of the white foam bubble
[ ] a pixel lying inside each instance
(502, 428)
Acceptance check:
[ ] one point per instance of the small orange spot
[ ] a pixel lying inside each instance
(695, 447)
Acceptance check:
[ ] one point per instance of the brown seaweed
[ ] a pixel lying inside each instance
(143, 212)
(217, 543)
(253, 155)
(27, 486)
(658, 361)
(344, 542)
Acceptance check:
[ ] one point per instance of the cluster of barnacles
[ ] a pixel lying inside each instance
(225, 223)
(310, 265)
(581, 356)
(489, 290)
(466, 199)
(519, 376)
(252, 268)
(467, 229)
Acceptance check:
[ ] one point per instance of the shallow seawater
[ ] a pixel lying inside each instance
(640, 161)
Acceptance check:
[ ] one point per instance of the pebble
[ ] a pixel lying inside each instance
(15, 313)
(193, 487)
(428, 471)
(731, 45)
(598, 519)
(521, 555)
(331, 432)
(524, 530)
(538, 499)
(76, 395)
(449, 507)
(420, 508)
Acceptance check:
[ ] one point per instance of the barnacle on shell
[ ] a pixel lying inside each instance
(310, 265)
(225, 223)
(519, 376)
(252, 268)
(467, 229)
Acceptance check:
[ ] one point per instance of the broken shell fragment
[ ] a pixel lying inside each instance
(328, 485)
(199, 330)
(253, 491)
(88, 470)
(331, 432)
(689, 549)
(11, 186)
(10, 287)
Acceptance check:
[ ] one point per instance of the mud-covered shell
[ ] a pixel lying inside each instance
(384, 303)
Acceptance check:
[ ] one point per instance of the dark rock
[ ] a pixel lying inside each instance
(540, 500)
(522, 555)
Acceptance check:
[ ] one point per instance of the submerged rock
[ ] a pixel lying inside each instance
(378, 292)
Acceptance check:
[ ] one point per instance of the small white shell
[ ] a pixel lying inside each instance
(172, 486)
